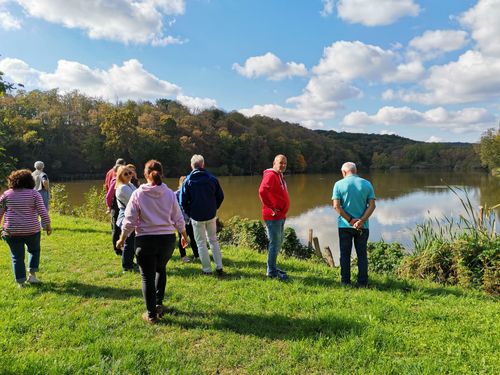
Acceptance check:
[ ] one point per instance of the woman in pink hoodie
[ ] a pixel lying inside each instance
(155, 215)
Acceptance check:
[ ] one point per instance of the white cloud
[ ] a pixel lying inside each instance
(409, 72)
(473, 78)
(462, 121)
(327, 8)
(196, 104)
(270, 66)
(319, 100)
(8, 21)
(351, 60)
(482, 21)
(125, 21)
(376, 13)
(434, 139)
(120, 82)
(434, 43)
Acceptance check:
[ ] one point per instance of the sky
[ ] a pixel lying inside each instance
(428, 70)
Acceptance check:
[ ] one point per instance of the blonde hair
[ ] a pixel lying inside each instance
(181, 180)
(119, 175)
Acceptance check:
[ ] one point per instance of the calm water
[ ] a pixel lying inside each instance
(404, 199)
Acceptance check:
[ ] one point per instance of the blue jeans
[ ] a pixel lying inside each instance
(16, 244)
(275, 230)
(346, 237)
(45, 197)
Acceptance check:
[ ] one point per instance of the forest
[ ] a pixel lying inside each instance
(80, 136)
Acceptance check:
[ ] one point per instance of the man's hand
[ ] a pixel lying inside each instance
(359, 224)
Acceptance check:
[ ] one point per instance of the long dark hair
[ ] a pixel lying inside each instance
(154, 169)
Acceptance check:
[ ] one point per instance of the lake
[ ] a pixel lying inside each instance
(404, 199)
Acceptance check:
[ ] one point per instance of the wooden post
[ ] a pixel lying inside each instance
(481, 214)
(310, 242)
(317, 249)
(329, 257)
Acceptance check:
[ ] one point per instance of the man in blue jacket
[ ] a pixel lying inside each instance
(201, 196)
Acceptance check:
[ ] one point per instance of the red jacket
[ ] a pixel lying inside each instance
(109, 176)
(273, 194)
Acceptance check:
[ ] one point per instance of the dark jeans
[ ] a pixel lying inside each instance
(115, 229)
(153, 252)
(346, 237)
(128, 252)
(189, 231)
(16, 245)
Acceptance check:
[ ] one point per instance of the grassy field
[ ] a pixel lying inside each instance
(85, 318)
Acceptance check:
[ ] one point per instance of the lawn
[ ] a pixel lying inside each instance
(85, 318)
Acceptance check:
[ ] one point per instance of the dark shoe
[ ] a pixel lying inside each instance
(148, 319)
(279, 276)
(160, 310)
(220, 272)
(206, 273)
(362, 285)
(118, 252)
(281, 271)
(346, 284)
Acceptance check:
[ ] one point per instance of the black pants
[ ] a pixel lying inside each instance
(115, 229)
(189, 231)
(152, 253)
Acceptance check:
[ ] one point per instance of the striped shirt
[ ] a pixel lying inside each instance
(21, 208)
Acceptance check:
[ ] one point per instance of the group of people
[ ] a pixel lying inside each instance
(146, 218)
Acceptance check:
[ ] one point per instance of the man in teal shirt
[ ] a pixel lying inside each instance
(354, 200)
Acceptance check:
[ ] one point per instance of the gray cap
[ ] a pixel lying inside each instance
(120, 161)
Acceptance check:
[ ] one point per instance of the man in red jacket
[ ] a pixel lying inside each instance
(273, 194)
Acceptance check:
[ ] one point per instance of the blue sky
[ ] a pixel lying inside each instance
(428, 70)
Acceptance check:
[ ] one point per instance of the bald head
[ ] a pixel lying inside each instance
(279, 163)
(349, 168)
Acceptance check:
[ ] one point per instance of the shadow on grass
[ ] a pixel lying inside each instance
(81, 230)
(89, 290)
(274, 327)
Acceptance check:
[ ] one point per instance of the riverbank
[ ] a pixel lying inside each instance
(85, 318)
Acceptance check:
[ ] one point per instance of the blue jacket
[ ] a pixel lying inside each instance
(201, 195)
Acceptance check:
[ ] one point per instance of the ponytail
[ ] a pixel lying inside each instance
(154, 169)
(155, 175)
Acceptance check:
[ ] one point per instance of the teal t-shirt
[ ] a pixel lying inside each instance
(354, 193)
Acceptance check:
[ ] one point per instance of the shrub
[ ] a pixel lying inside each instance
(59, 200)
(385, 258)
(244, 232)
(293, 247)
(94, 206)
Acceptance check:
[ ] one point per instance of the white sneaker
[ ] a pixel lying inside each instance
(186, 259)
(20, 285)
(33, 280)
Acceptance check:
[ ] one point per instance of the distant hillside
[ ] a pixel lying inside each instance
(77, 135)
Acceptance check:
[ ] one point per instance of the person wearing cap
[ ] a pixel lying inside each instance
(112, 173)
(41, 182)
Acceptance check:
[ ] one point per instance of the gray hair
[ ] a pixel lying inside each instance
(197, 161)
(39, 165)
(349, 167)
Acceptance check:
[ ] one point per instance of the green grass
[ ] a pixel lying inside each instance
(85, 318)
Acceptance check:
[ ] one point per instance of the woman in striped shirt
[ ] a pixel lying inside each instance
(20, 207)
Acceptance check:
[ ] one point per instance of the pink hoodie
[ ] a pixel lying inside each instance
(151, 210)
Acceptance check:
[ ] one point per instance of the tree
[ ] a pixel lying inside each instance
(489, 149)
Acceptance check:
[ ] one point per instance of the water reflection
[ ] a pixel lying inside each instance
(404, 199)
